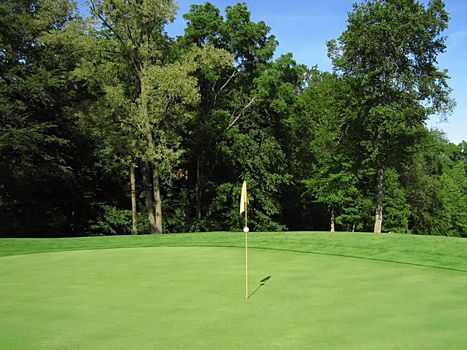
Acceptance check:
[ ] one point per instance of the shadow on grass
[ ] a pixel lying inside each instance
(261, 283)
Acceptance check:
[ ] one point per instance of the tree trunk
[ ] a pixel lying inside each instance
(134, 229)
(154, 222)
(333, 229)
(379, 201)
(199, 189)
(149, 199)
(157, 196)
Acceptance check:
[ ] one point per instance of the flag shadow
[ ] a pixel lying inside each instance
(261, 284)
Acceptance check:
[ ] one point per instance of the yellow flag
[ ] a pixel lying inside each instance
(243, 198)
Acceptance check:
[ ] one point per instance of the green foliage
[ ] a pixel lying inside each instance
(45, 157)
(112, 221)
(83, 101)
(257, 158)
(390, 51)
(177, 219)
(391, 46)
(221, 213)
(436, 187)
(397, 209)
(232, 137)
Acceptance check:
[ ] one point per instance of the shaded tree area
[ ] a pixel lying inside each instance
(110, 126)
(47, 163)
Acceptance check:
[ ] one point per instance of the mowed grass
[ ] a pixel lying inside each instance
(325, 291)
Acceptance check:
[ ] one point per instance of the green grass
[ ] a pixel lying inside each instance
(442, 252)
(326, 291)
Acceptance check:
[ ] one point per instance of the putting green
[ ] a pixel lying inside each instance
(193, 298)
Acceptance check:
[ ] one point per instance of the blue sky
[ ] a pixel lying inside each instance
(303, 27)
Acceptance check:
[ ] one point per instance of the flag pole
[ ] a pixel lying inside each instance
(246, 253)
(246, 266)
(244, 208)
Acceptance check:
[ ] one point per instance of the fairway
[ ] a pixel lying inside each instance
(193, 298)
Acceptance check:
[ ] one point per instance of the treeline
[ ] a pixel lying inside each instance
(110, 126)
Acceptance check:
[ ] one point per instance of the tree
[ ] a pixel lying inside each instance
(108, 120)
(397, 208)
(435, 187)
(320, 153)
(205, 27)
(390, 48)
(231, 122)
(158, 87)
(46, 159)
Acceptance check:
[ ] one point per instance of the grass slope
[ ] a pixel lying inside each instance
(175, 292)
(443, 252)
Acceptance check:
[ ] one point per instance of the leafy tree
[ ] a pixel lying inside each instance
(396, 206)
(158, 87)
(230, 123)
(205, 28)
(45, 157)
(390, 48)
(436, 187)
(321, 157)
(108, 120)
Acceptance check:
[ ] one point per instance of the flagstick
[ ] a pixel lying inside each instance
(244, 208)
(246, 256)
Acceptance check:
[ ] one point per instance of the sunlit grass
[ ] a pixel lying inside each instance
(308, 290)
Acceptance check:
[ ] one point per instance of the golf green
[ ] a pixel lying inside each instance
(193, 298)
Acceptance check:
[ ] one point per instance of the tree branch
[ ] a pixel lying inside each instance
(241, 113)
(98, 13)
(216, 94)
(233, 75)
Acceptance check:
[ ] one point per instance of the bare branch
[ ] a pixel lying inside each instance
(241, 113)
(216, 94)
(233, 75)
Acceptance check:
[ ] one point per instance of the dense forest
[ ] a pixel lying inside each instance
(110, 126)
